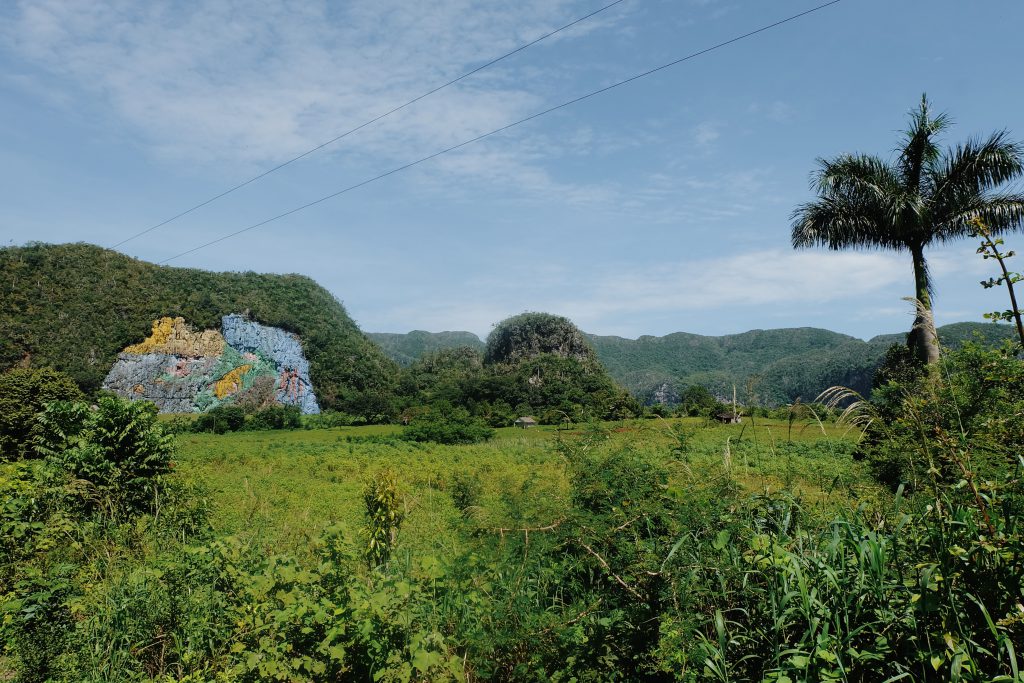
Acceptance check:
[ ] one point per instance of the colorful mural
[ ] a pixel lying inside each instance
(185, 371)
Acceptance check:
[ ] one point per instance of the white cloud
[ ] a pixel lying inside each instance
(959, 259)
(259, 81)
(706, 133)
(612, 299)
(760, 278)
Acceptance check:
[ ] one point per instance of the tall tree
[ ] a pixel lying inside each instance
(926, 195)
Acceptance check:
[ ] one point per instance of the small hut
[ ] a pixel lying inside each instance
(728, 418)
(525, 422)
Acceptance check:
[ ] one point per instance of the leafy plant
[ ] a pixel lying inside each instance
(24, 392)
(118, 449)
(990, 249)
(385, 513)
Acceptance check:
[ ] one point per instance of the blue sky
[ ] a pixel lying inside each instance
(661, 206)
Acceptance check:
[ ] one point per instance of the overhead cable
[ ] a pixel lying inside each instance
(367, 123)
(502, 129)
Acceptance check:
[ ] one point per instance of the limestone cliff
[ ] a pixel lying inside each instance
(173, 336)
(284, 349)
(184, 371)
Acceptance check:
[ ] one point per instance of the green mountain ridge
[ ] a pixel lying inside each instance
(406, 348)
(769, 366)
(535, 364)
(75, 306)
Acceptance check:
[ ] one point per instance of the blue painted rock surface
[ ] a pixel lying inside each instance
(183, 371)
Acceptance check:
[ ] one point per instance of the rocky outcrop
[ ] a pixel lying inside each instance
(186, 371)
(171, 382)
(663, 394)
(284, 349)
(173, 336)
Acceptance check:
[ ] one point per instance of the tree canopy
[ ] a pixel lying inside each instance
(927, 195)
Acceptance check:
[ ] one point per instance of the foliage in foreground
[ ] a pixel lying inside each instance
(23, 393)
(649, 570)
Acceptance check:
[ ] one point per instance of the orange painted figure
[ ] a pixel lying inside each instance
(291, 384)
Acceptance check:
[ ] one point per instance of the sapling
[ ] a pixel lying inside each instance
(990, 249)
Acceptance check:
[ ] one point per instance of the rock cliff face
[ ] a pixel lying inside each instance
(284, 349)
(664, 394)
(183, 371)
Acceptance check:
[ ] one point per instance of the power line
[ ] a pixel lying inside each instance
(371, 121)
(503, 128)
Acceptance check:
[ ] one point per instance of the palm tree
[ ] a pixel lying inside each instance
(925, 196)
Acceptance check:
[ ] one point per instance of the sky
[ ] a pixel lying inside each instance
(660, 206)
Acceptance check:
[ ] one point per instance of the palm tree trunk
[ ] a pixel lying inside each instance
(923, 339)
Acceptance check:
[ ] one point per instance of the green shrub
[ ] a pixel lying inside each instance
(23, 394)
(926, 594)
(275, 417)
(465, 490)
(974, 401)
(117, 448)
(384, 516)
(36, 622)
(220, 420)
(447, 425)
(330, 419)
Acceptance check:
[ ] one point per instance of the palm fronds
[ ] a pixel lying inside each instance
(853, 409)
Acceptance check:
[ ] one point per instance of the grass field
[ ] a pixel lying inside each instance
(282, 489)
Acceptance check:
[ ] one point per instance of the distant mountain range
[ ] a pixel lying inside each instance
(770, 366)
(406, 348)
(74, 307)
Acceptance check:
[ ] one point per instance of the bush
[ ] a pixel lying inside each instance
(220, 420)
(23, 394)
(330, 419)
(233, 418)
(976, 398)
(466, 490)
(447, 426)
(118, 448)
(275, 417)
(925, 594)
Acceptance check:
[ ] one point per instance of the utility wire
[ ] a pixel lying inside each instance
(371, 121)
(503, 128)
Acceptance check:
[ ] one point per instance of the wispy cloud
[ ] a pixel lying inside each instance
(261, 81)
(777, 111)
(706, 133)
(608, 299)
(762, 278)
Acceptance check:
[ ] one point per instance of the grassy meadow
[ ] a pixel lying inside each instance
(635, 550)
(282, 489)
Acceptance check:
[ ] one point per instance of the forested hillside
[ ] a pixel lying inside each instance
(75, 306)
(533, 364)
(767, 366)
(404, 349)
